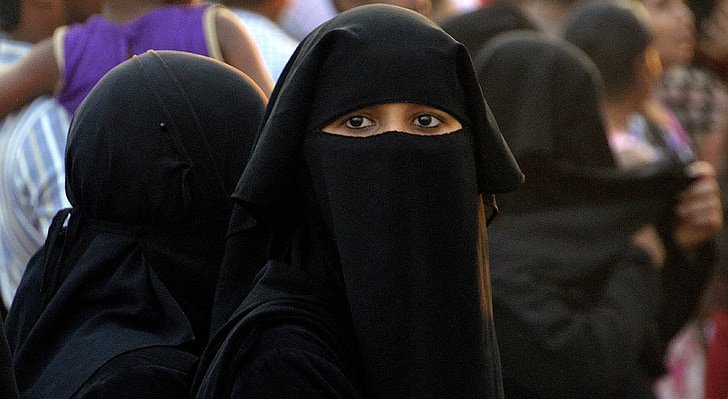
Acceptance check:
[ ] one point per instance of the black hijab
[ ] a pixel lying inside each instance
(153, 154)
(576, 299)
(385, 226)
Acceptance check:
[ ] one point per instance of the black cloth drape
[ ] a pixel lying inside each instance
(369, 285)
(153, 155)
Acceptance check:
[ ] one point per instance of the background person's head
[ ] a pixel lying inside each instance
(621, 46)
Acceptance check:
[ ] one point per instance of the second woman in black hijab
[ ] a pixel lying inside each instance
(374, 283)
(117, 304)
(575, 292)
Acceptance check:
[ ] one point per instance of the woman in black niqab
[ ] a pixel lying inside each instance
(575, 301)
(372, 285)
(118, 302)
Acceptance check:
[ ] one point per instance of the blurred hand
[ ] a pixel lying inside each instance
(699, 210)
(649, 241)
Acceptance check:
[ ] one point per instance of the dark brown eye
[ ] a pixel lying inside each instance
(358, 122)
(427, 120)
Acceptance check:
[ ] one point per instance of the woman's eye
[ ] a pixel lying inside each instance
(427, 120)
(358, 122)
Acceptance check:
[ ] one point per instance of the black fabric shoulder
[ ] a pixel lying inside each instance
(142, 373)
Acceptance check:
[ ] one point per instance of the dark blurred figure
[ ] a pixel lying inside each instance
(476, 28)
(575, 266)
(259, 16)
(624, 49)
(32, 141)
(117, 303)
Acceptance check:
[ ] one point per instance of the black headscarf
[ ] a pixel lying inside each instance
(386, 226)
(574, 300)
(153, 154)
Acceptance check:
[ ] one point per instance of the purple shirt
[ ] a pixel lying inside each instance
(92, 48)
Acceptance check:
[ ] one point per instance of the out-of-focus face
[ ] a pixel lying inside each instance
(79, 10)
(673, 26)
(713, 36)
(417, 119)
(651, 70)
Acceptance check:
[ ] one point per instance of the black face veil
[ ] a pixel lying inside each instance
(153, 154)
(397, 214)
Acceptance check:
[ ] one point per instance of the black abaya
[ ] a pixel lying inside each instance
(371, 284)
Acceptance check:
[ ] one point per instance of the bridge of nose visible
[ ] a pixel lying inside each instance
(417, 119)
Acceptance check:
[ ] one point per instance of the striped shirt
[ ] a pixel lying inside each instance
(32, 179)
(275, 45)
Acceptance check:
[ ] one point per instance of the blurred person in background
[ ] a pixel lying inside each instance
(697, 96)
(690, 87)
(622, 48)
(694, 88)
(617, 39)
(476, 27)
(32, 143)
(306, 15)
(32, 140)
(575, 281)
(79, 55)
(672, 29)
(260, 16)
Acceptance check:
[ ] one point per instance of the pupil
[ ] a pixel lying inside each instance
(425, 120)
(356, 121)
